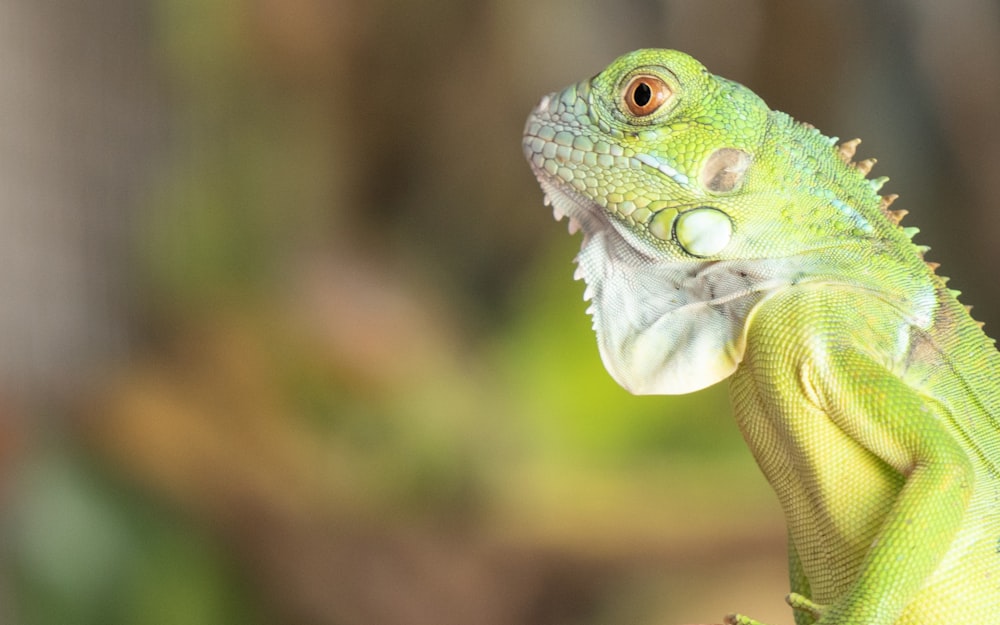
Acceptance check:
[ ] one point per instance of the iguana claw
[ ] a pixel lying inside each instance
(800, 602)
(739, 619)
(797, 601)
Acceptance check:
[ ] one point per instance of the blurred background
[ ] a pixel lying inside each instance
(287, 336)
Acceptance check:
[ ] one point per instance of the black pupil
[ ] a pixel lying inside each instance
(642, 94)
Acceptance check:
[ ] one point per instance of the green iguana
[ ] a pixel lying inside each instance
(724, 239)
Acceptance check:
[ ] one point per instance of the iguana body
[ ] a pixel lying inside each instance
(724, 239)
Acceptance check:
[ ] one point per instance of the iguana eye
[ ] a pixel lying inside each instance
(645, 94)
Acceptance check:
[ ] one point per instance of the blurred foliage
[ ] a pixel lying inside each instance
(87, 549)
(362, 387)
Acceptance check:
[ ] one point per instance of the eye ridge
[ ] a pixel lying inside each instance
(645, 94)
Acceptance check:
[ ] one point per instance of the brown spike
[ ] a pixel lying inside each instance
(934, 266)
(968, 308)
(865, 166)
(847, 149)
(980, 324)
(897, 215)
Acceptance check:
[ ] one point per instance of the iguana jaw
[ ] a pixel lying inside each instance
(663, 327)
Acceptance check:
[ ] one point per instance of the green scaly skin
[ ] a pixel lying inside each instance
(724, 239)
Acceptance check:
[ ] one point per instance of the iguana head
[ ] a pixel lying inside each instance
(695, 200)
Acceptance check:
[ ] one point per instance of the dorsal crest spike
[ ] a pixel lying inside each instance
(895, 216)
(865, 166)
(847, 149)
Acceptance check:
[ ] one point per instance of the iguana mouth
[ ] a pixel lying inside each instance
(541, 129)
(601, 239)
(567, 208)
(581, 214)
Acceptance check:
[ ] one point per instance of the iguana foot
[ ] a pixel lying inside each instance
(803, 603)
(739, 619)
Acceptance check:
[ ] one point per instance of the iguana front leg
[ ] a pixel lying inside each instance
(896, 424)
(814, 380)
(905, 430)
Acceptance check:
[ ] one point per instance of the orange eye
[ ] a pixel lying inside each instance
(645, 94)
